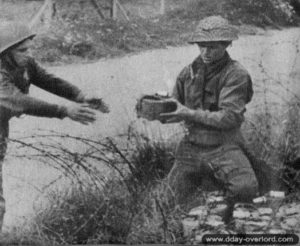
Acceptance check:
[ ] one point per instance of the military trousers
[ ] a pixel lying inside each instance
(2, 201)
(226, 165)
(3, 147)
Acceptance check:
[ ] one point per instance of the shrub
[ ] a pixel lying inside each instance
(131, 199)
(289, 148)
(256, 12)
(150, 160)
(77, 215)
(261, 12)
(158, 219)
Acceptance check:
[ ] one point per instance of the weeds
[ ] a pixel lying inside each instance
(106, 205)
(129, 201)
(261, 13)
(289, 148)
(23, 235)
(76, 215)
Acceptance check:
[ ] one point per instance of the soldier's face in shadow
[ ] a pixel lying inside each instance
(211, 52)
(22, 53)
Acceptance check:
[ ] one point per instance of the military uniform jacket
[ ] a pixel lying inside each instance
(14, 98)
(218, 93)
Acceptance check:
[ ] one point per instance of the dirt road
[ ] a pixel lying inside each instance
(121, 80)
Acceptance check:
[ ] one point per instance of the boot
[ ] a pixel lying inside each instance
(228, 212)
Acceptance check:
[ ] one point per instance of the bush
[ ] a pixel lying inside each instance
(80, 214)
(111, 216)
(261, 12)
(255, 12)
(289, 148)
(274, 137)
(130, 200)
(150, 161)
(158, 219)
(22, 235)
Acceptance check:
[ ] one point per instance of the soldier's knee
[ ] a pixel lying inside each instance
(244, 191)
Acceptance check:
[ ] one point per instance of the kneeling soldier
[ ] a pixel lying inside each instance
(211, 94)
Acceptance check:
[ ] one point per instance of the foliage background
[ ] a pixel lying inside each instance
(77, 33)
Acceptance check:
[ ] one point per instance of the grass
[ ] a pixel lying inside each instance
(133, 203)
(289, 148)
(129, 205)
(23, 235)
(112, 216)
(78, 216)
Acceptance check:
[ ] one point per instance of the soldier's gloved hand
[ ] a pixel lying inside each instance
(182, 113)
(80, 113)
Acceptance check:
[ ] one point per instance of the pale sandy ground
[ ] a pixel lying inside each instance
(121, 80)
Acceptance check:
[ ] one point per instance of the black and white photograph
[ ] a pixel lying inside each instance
(149, 122)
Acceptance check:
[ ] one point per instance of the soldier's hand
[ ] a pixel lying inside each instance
(97, 104)
(181, 113)
(81, 113)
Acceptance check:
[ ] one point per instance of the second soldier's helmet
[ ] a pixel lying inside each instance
(214, 28)
(13, 34)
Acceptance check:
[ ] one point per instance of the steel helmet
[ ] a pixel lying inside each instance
(12, 34)
(214, 28)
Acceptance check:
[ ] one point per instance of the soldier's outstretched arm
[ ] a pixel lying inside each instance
(63, 88)
(16, 103)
